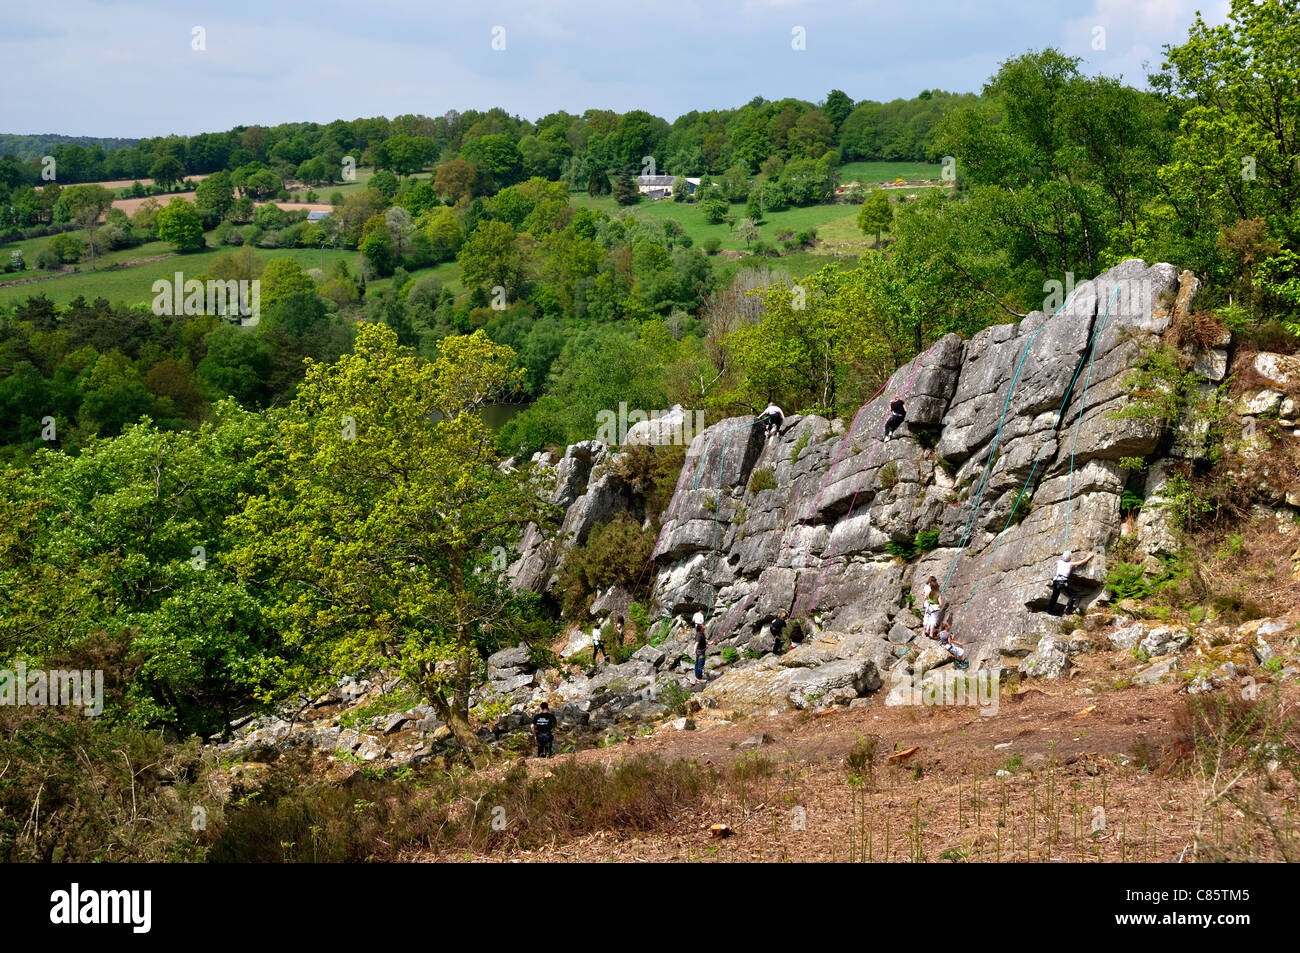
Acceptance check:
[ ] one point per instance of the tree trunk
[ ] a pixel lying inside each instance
(457, 712)
(460, 727)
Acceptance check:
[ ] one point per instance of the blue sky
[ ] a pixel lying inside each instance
(108, 68)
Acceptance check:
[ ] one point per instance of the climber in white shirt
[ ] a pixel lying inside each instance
(1061, 581)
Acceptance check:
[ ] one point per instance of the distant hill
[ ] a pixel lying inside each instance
(24, 148)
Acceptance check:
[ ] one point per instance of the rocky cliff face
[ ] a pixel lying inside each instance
(1011, 452)
(988, 419)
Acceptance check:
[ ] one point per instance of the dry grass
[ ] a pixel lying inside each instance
(1246, 380)
(812, 798)
(1252, 567)
(1199, 330)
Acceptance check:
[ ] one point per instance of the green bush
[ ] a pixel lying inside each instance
(675, 696)
(1127, 581)
(905, 551)
(926, 540)
(805, 435)
(615, 552)
(761, 480)
(68, 247)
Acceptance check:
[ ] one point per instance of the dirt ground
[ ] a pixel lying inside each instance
(1065, 771)
(131, 205)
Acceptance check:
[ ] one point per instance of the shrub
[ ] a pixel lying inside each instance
(927, 540)
(1199, 330)
(761, 480)
(47, 259)
(68, 247)
(860, 764)
(905, 551)
(889, 475)
(675, 696)
(1127, 581)
(651, 472)
(615, 551)
(637, 613)
(712, 244)
(804, 436)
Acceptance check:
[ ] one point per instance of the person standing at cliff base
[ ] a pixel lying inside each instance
(597, 646)
(777, 628)
(930, 625)
(701, 651)
(544, 730)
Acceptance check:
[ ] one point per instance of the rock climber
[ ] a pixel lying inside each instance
(897, 414)
(597, 646)
(949, 641)
(777, 627)
(544, 730)
(932, 590)
(933, 610)
(1061, 581)
(772, 417)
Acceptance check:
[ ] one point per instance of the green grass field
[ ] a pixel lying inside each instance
(834, 223)
(324, 192)
(871, 173)
(839, 240)
(30, 246)
(135, 285)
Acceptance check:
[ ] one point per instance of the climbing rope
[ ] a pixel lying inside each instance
(1083, 401)
(978, 497)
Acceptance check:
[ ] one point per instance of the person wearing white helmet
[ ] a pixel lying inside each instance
(1061, 581)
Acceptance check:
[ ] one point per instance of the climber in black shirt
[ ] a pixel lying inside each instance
(777, 627)
(544, 730)
(897, 414)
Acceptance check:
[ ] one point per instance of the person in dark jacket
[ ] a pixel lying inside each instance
(544, 730)
(897, 414)
(701, 650)
(778, 627)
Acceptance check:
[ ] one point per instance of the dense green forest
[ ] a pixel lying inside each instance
(226, 516)
(36, 147)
